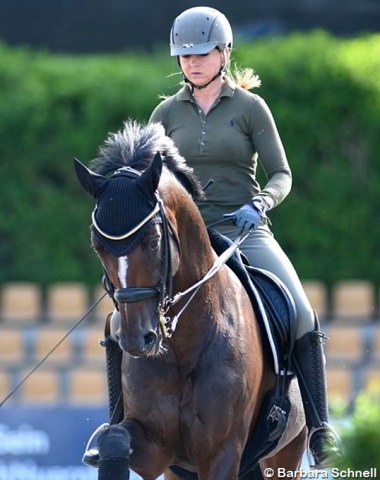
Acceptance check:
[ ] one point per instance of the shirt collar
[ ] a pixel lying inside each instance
(228, 90)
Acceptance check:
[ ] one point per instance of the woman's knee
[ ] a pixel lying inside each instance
(305, 319)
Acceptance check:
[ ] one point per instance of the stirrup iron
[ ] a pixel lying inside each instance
(310, 457)
(93, 450)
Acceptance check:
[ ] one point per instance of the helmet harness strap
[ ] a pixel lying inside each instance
(201, 87)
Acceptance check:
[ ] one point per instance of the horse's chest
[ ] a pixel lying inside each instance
(163, 396)
(152, 391)
(181, 406)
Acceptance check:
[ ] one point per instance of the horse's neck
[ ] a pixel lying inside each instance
(201, 317)
(197, 255)
(219, 306)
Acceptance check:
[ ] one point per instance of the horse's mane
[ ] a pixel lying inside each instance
(135, 145)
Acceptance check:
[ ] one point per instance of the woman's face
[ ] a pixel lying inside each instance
(200, 69)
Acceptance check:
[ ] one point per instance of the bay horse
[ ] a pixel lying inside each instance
(194, 369)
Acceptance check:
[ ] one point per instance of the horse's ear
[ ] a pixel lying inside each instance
(92, 182)
(148, 182)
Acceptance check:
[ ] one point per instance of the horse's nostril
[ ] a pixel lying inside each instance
(150, 338)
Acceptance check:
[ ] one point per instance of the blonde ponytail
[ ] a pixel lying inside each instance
(245, 78)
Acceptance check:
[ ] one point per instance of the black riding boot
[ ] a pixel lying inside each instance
(114, 357)
(308, 361)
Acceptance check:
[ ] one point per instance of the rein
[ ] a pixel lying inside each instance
(171, 323)
(51, 351)
(166, 300)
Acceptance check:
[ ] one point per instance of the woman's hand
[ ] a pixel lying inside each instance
(251, 215)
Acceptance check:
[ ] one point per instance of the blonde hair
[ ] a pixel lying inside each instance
(245, 78)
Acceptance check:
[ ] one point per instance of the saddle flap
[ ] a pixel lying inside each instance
(271, 300)
(280, 312)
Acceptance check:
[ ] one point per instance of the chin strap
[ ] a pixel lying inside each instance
(201, 87)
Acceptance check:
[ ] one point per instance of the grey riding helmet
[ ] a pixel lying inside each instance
(199, 30)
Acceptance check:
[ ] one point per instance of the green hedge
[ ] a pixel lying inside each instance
(360, 436)
(325, 96)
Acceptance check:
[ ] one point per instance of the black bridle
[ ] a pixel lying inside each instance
(165, 287)
(163, 291)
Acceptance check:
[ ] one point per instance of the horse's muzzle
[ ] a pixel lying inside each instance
(135, 294)
(145, 346)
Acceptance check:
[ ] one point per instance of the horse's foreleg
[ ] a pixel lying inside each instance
(223, 465)
(149, 459)
(114, 447)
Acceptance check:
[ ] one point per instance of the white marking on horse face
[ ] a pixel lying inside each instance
(122, 273)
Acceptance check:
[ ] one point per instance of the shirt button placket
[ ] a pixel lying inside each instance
(202, 142)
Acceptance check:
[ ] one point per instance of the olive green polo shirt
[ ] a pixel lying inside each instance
(226, 145)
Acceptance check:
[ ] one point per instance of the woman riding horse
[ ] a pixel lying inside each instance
(223, 130)
(195, 371)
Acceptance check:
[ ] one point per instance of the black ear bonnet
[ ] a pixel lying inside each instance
(126, 204)
(121, 206)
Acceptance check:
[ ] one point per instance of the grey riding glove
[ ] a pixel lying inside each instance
(252, 214)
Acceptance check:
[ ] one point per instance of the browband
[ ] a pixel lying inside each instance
(132, 231)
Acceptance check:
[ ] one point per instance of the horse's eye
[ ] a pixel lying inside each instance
(155, 244)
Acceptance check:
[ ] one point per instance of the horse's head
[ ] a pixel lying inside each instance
(132, 237)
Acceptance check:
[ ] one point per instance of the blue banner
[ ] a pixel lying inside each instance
(47, 443)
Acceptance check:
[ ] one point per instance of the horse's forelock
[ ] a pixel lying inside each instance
(136, 145)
